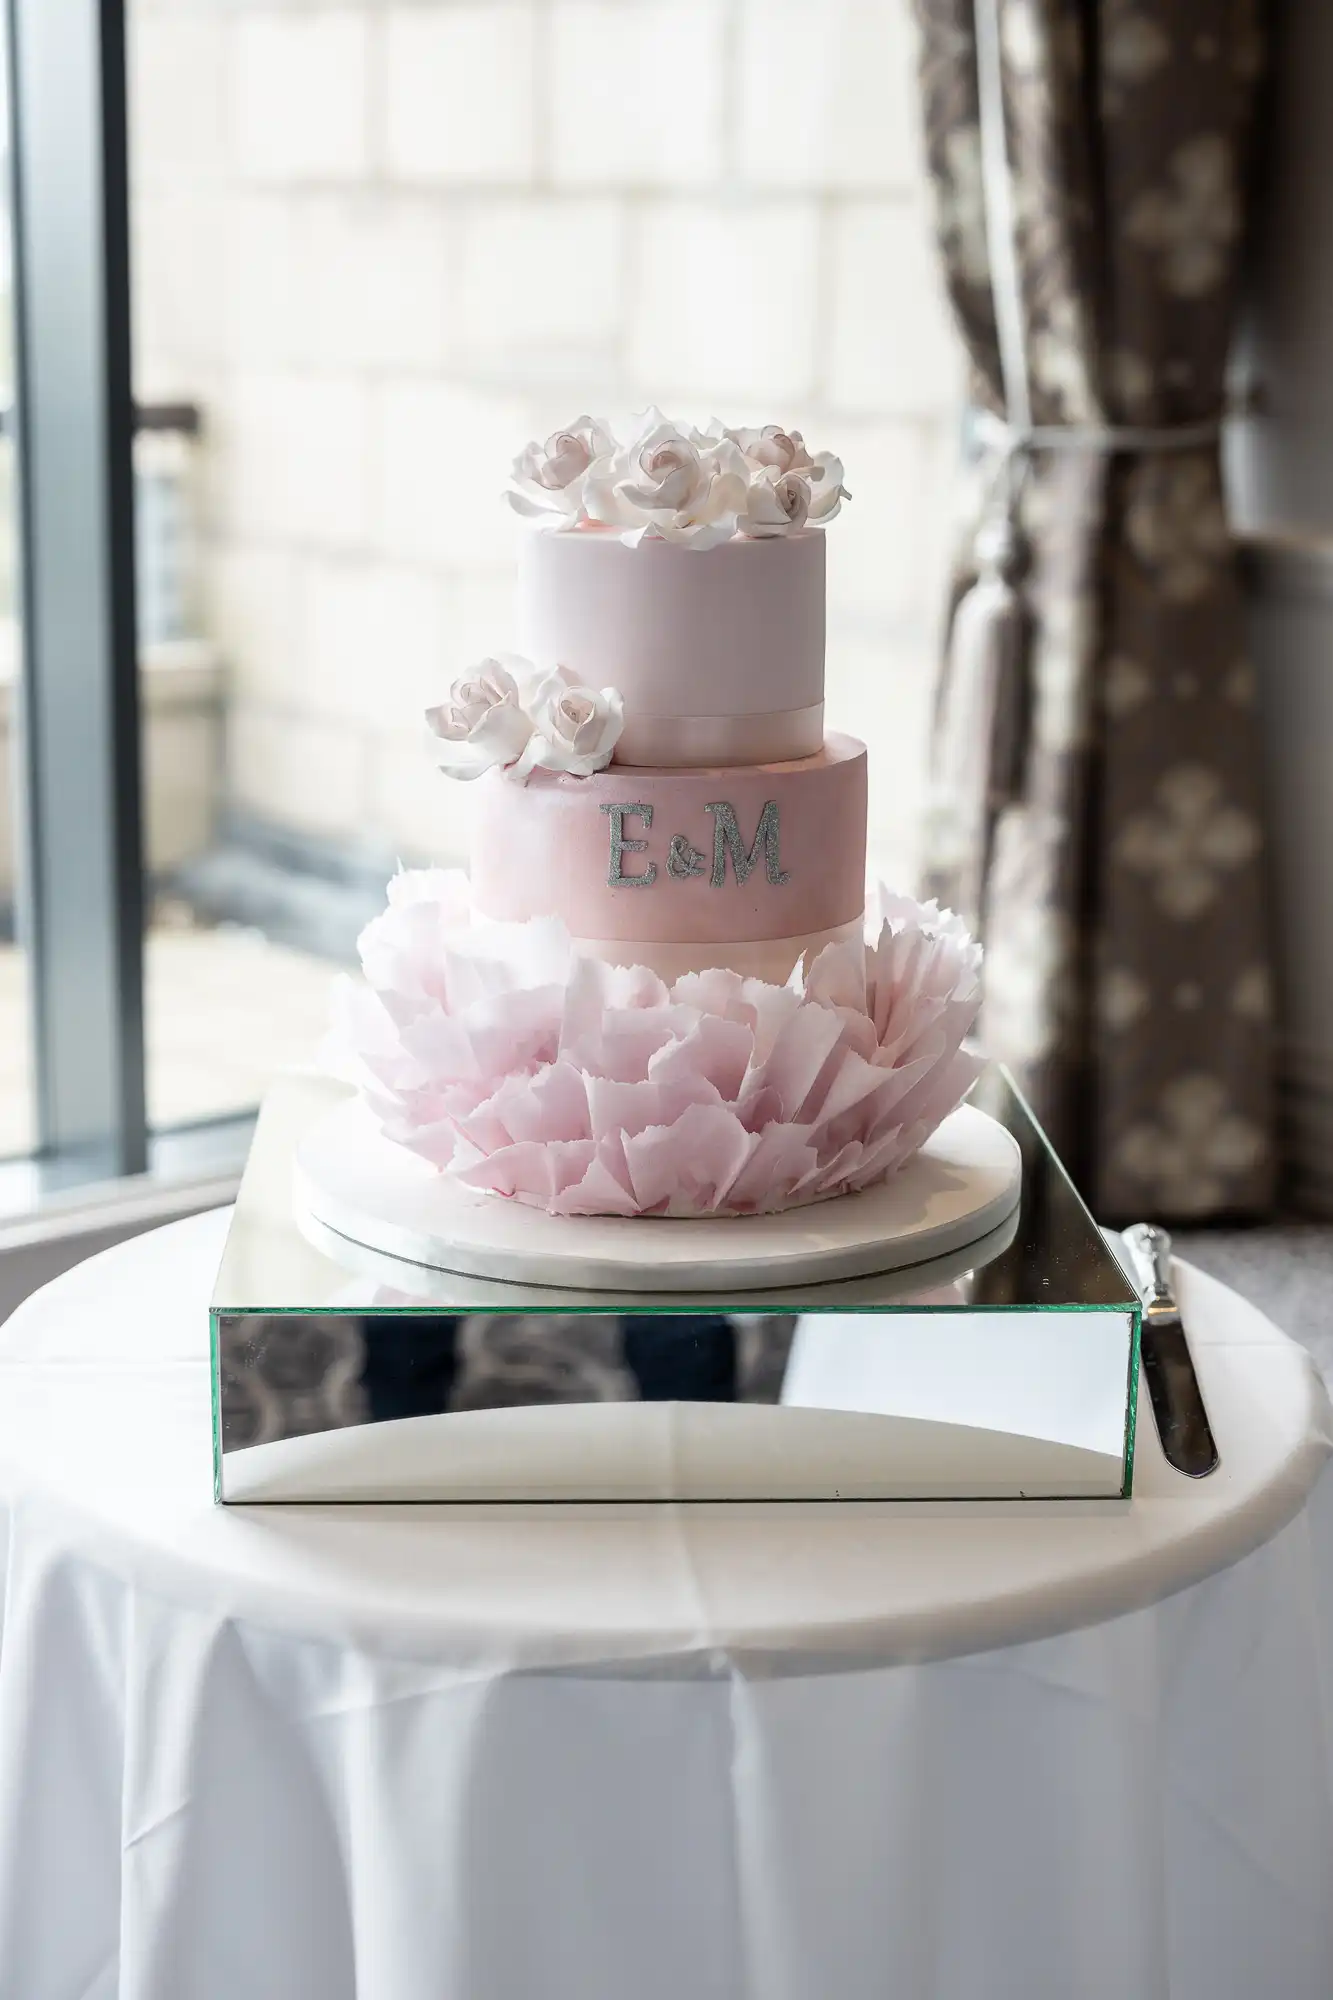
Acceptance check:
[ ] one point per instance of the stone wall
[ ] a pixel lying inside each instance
(382, 244)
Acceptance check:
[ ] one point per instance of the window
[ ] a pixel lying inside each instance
(16, 1119)
(377, 246)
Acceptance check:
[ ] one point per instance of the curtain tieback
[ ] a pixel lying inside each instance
(985, 713)
(1018, 440)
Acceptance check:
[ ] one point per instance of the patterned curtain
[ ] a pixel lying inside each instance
(1097, 807)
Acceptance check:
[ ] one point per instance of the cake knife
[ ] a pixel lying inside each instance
(1173, 1386)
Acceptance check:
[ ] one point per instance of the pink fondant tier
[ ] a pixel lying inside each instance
(718, 653)
(749, 865)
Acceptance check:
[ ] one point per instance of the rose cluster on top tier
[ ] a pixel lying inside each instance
(696, 488)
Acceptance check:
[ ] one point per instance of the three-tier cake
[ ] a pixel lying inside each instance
(660, 991)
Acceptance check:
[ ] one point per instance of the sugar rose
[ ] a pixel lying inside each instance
(669, 484)
(772, 447)
(547, 479)
(827, 491)
(482, 724)
(574, 728)
(776, 504)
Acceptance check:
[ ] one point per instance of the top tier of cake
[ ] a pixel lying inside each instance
(718, 654)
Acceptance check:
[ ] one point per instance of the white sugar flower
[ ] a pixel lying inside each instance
(547, 479)
(483, 723)
(775, 452)
(667, 483)
(771, 446)
(574, 728)
(827, 491)
(676, 484)
(776, 504)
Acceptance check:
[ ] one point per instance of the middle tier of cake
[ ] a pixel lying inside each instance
(744, 866)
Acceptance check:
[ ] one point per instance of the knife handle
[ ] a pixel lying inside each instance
(1150, 1247)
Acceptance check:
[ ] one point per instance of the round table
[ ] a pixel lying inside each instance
(742, 1753)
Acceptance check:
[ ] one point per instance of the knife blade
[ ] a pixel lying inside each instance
(1173, 1386)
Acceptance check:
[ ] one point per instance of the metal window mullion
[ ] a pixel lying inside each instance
(81, 883)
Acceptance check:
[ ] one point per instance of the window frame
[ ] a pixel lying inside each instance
(80, 888)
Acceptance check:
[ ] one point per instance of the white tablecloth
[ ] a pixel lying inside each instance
(734, 1754)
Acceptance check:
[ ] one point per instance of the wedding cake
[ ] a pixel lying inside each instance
(659, 989)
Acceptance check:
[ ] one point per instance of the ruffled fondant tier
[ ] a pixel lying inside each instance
(517, 1064)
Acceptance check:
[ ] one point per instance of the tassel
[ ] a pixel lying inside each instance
(1004, 721)
(984, 715)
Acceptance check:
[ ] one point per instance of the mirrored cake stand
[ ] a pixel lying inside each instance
(1002, 1364)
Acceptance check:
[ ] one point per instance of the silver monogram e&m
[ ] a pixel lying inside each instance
(685, 860)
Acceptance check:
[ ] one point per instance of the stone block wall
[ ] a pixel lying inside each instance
(382, 242)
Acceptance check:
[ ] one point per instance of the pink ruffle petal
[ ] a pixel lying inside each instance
(717, 1050)
(688, 1167)
(604, 1188)
(782, 1158)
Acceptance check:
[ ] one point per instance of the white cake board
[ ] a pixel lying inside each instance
(965, 1180)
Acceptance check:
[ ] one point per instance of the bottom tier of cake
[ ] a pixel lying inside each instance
(513, 1061)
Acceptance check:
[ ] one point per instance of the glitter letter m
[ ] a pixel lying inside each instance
(727, 840)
